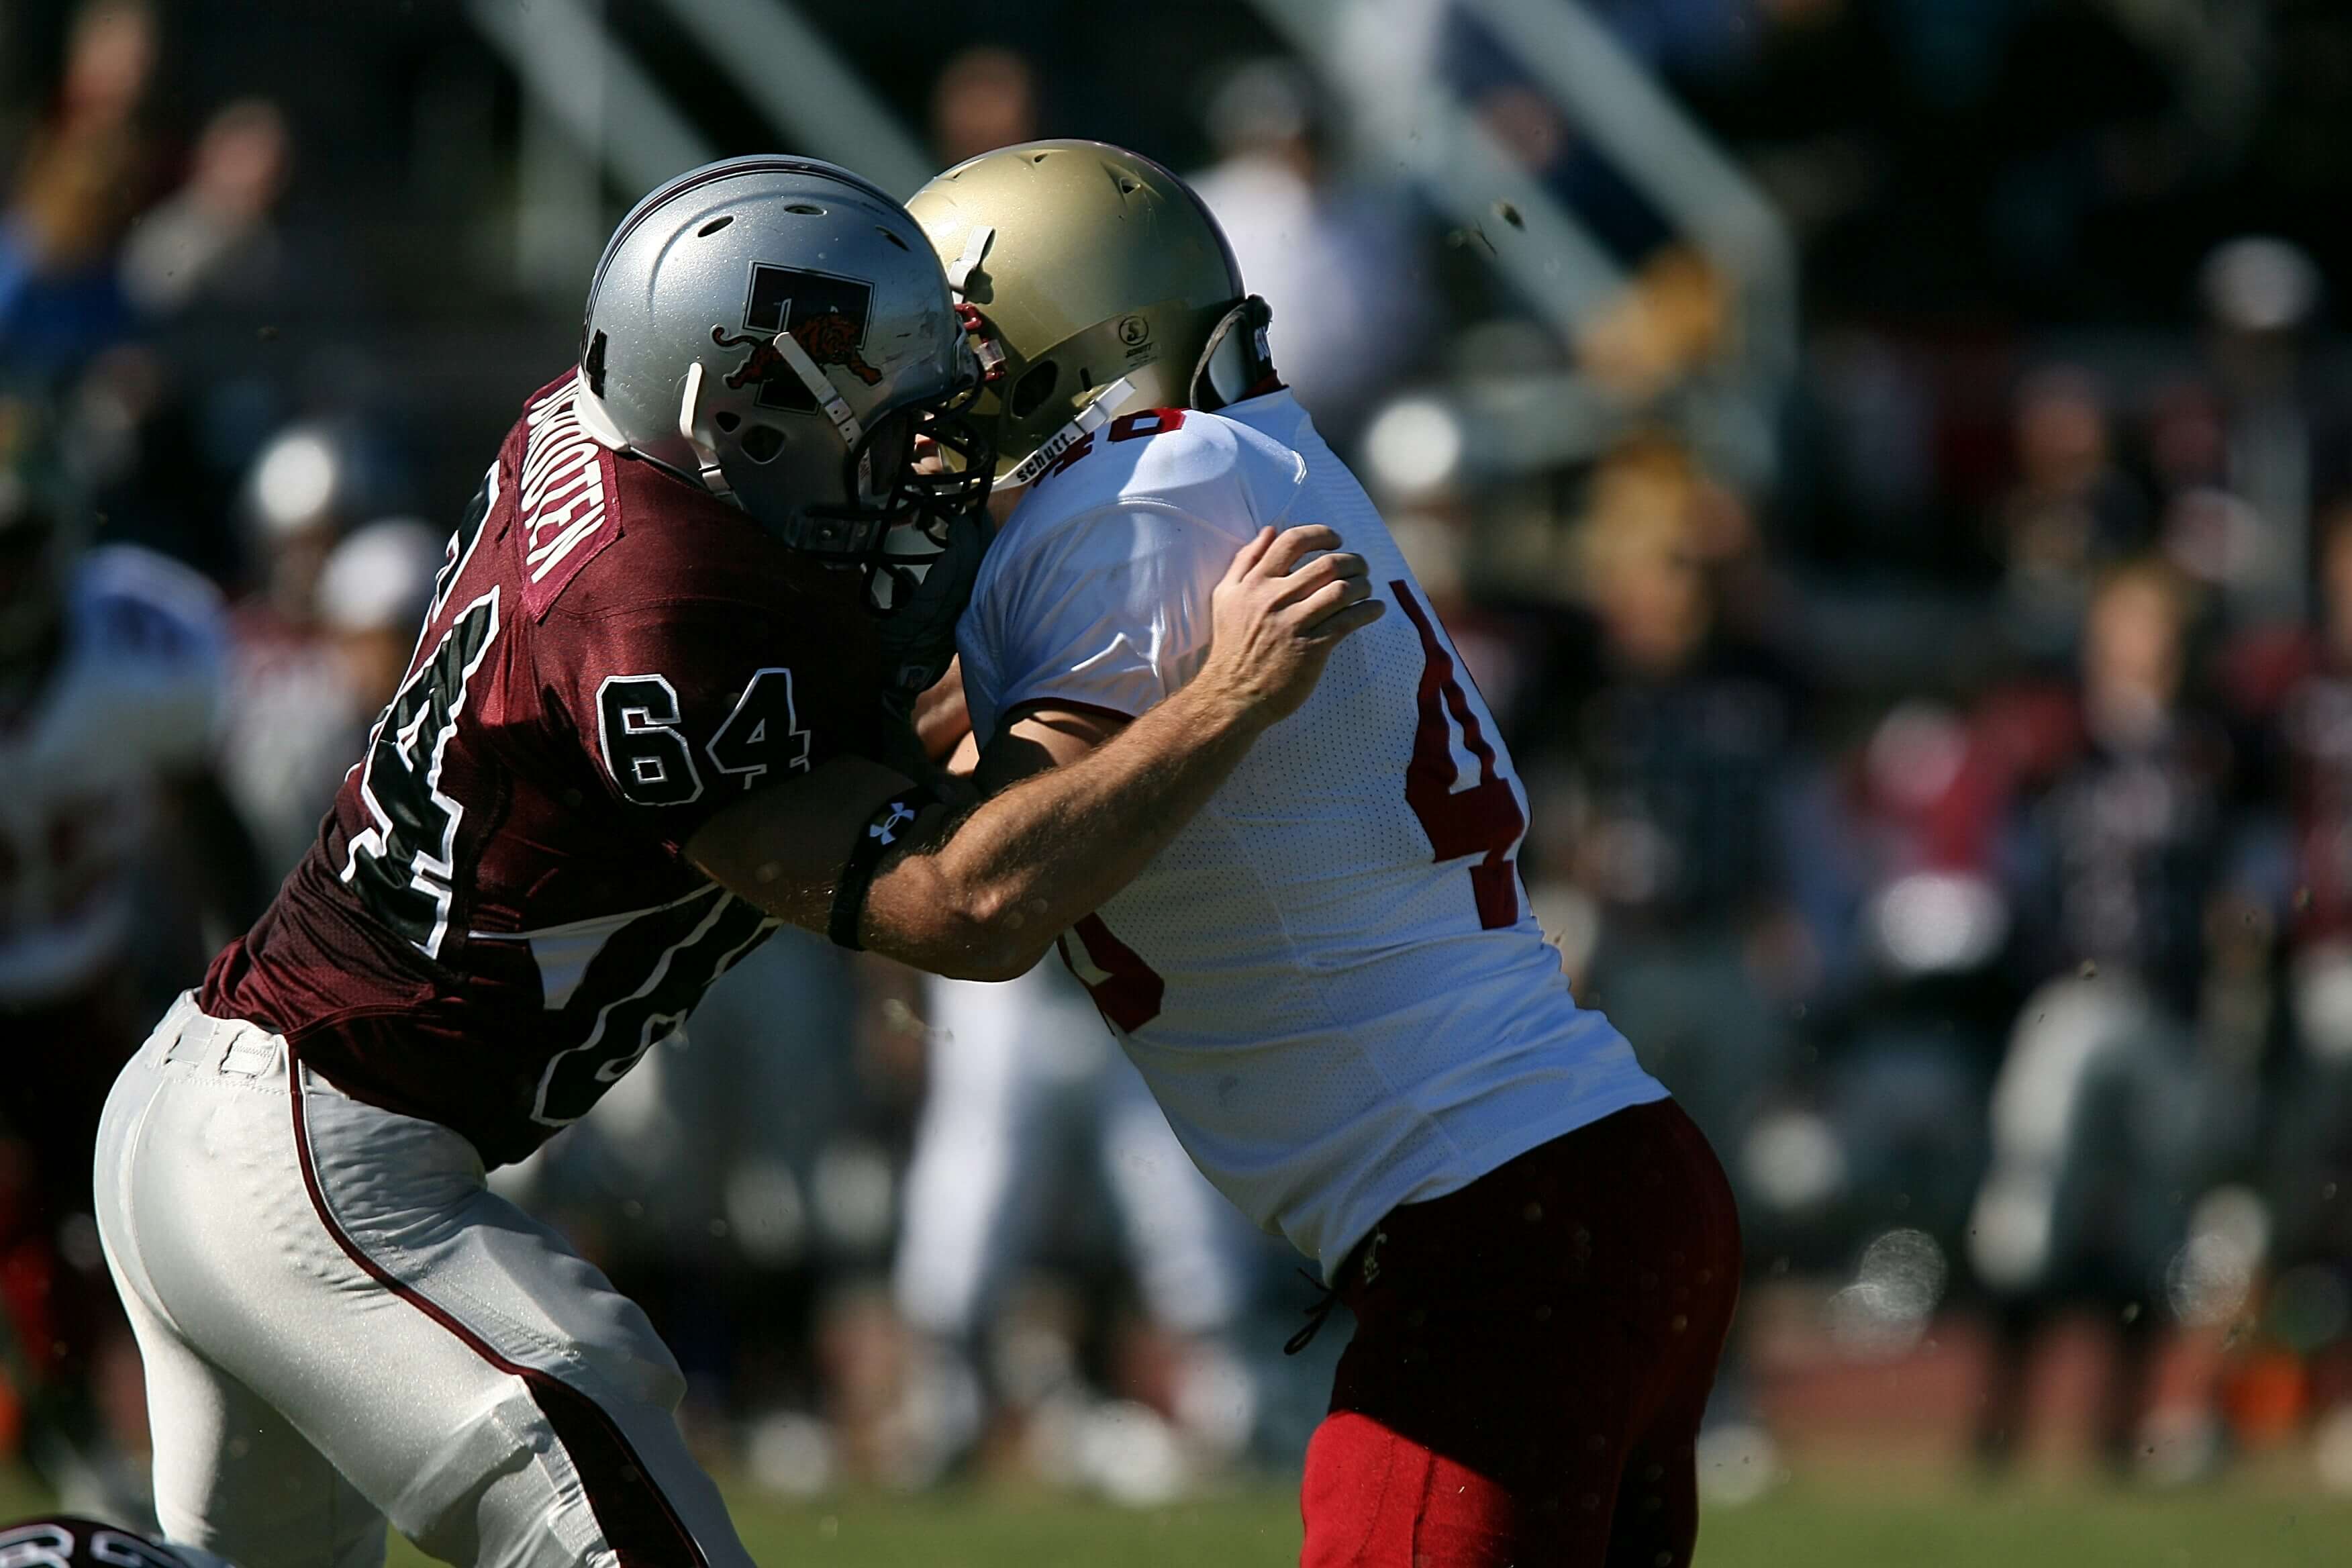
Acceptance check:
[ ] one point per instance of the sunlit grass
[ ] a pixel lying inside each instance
(1855, 1520)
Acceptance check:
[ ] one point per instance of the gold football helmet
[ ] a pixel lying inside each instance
(1094, 282)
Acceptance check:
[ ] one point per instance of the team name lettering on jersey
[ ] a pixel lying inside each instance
(562, 500)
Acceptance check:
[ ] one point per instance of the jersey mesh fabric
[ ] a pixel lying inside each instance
(1333, 1017)
(499, 918)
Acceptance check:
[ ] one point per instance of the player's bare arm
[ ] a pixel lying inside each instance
(983, 895)
(942, 721)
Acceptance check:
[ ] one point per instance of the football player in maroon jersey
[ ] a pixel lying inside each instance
(644, 725)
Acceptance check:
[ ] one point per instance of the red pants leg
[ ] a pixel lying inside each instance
(1531, 1357)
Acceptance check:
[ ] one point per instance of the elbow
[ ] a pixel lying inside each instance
(996, 939)
(993, 968)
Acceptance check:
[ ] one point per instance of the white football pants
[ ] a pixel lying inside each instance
(1026, 1081)
(341, 1325)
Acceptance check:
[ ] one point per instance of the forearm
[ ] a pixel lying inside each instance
(982, 897)
(987, 900)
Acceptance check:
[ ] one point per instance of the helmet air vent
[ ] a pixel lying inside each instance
(1036, 384)
(713, 226)
(892, 238)
(725, 421)
(805, 209)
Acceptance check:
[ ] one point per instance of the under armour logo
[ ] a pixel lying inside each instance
(887, 830)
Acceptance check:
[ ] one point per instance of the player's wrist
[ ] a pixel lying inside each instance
(1222, 701)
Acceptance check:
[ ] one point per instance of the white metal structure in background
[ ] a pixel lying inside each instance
(593, 117)
(1431, 135)
(571, 69)
(1666, 155)
(819, 105)
(1374, 56)
(1377, 58)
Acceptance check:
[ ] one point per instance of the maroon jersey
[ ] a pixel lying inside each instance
(499, 919)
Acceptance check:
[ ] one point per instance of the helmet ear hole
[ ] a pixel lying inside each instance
(725, 421)
(761, 442)
(1036, 385)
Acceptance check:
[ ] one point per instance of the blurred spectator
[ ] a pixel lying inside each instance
(2108, 1119)
(212, 240)
(985, 98)
(1338, 262)
(1031, 1103)
(79, 185)
(304, 698)
(116, 847)
(290, 704)
(2260, 293)
(2297, 693)
(373, 594)
(1685, 740)
(2071, 514)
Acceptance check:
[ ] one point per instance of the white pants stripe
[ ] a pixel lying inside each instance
(341, 1324)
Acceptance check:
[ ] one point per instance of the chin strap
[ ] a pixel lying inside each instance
(705, 461)
(1088, 420)
(827, 396)
(1233, 367)
(820, 386)
(975, 252)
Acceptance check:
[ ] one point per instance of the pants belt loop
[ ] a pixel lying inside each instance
(250, 1052)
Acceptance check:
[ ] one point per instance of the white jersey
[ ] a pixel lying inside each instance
(135, 696)
(1330, 978)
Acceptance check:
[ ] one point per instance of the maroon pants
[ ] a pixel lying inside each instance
(1531, 1359)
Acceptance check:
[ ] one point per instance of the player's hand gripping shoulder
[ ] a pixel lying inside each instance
(982, 894)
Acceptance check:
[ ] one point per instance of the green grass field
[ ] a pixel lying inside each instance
(1855, 1522)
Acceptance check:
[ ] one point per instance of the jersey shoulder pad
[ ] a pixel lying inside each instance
(674, 544)
(1209, 466)
(131, 605)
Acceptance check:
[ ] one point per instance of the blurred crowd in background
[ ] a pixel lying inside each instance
(1934, 680)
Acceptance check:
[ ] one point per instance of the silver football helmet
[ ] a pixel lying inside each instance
(778, 332)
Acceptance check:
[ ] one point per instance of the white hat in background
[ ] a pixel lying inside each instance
(380, 578)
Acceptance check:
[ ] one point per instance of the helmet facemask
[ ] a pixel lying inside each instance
(923, 565)
(915, 474)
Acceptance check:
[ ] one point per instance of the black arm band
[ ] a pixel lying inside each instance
(890, 819)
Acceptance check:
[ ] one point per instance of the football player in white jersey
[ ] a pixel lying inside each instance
(111, 676)
(1329, 976)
